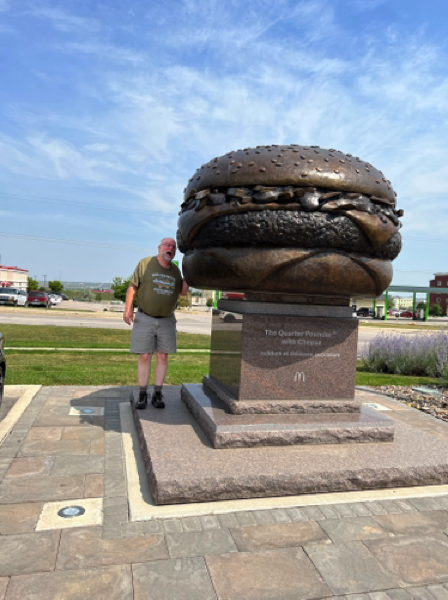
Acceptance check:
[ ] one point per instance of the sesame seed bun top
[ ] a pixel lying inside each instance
(292, 165)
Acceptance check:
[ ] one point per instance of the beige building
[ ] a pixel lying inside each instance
(13, 277)
(402, 303)
(399, 302)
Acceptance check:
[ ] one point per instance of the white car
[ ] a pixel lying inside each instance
(229, 317)
(55, 299)
(13, 296)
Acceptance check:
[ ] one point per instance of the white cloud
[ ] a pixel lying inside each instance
(96, 147)
(14, 157)
(62, 161)
(106, 51)
(64, 21)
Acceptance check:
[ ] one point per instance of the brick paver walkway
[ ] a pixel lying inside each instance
(372, 550)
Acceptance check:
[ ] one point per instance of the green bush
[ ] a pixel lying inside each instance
(120, 288)
(435, 310)
(55, 286)
(32, 284)
(183, 301)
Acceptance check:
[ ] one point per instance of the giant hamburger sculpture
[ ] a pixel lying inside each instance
(291, 221)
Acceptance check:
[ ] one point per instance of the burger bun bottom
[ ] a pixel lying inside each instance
(287, 272)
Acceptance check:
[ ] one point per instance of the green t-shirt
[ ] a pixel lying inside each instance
(158, 288)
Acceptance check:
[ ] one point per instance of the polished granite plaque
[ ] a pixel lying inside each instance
(267, 357)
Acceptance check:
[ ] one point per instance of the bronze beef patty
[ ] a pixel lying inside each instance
(290, 229)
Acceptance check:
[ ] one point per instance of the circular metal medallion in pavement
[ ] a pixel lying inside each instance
(69, 512)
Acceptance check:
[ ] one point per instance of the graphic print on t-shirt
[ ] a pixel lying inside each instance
(163, 283)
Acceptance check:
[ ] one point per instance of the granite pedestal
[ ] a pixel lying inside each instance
(182, 465)
(283, 374)
(226, 430)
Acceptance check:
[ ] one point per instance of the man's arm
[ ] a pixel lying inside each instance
(185, 288)
(128, 315)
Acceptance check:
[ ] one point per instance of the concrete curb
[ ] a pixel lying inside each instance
(18, 409)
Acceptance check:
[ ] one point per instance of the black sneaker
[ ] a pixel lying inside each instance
(142, 400)
(157, 400)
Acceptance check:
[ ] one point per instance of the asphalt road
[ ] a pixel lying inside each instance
(187, 322)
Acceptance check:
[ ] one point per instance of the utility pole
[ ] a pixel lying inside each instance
(45, 281)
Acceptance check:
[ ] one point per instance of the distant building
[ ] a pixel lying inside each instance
(440, 280)
(402, 303)
(85, 285)
(13, 277)
(367, 302)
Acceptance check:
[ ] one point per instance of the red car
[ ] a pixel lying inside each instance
(406, 313)
(38, 298)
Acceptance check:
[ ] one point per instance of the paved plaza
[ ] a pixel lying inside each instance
(77, 520)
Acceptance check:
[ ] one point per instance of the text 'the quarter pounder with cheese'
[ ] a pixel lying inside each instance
(289, 223)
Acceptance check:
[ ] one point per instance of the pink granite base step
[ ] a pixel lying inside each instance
(182, 465)
(227, 430)
(279, 405)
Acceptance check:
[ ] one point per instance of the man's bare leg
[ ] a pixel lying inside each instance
(144, 371)
(161, 368)
(159, 377)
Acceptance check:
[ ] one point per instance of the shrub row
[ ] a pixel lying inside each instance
(419, 355)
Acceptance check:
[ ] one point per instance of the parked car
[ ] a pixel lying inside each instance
(406, 313)
(55, 299)
(39, 298)
(12, 296)
(2, 366)
(229, 317)
(365, 312)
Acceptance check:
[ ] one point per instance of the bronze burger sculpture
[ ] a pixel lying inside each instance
(291, 221)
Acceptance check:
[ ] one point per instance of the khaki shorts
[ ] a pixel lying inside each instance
(151, 335)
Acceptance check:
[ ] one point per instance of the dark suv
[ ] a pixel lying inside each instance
(38, 298)
(2, 366)
(365, 312)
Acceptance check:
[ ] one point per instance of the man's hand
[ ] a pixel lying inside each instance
(185, 288)
(128, 317)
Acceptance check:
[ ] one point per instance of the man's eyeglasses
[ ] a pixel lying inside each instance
(169, 245)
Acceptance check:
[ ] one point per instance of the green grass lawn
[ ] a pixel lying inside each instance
(52, 336)
(95, 368)
(376, 379)
(407, 325)
(108, 368)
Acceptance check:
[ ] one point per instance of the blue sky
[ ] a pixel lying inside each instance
(109, 107)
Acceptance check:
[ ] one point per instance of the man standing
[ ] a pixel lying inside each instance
(158, 283)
